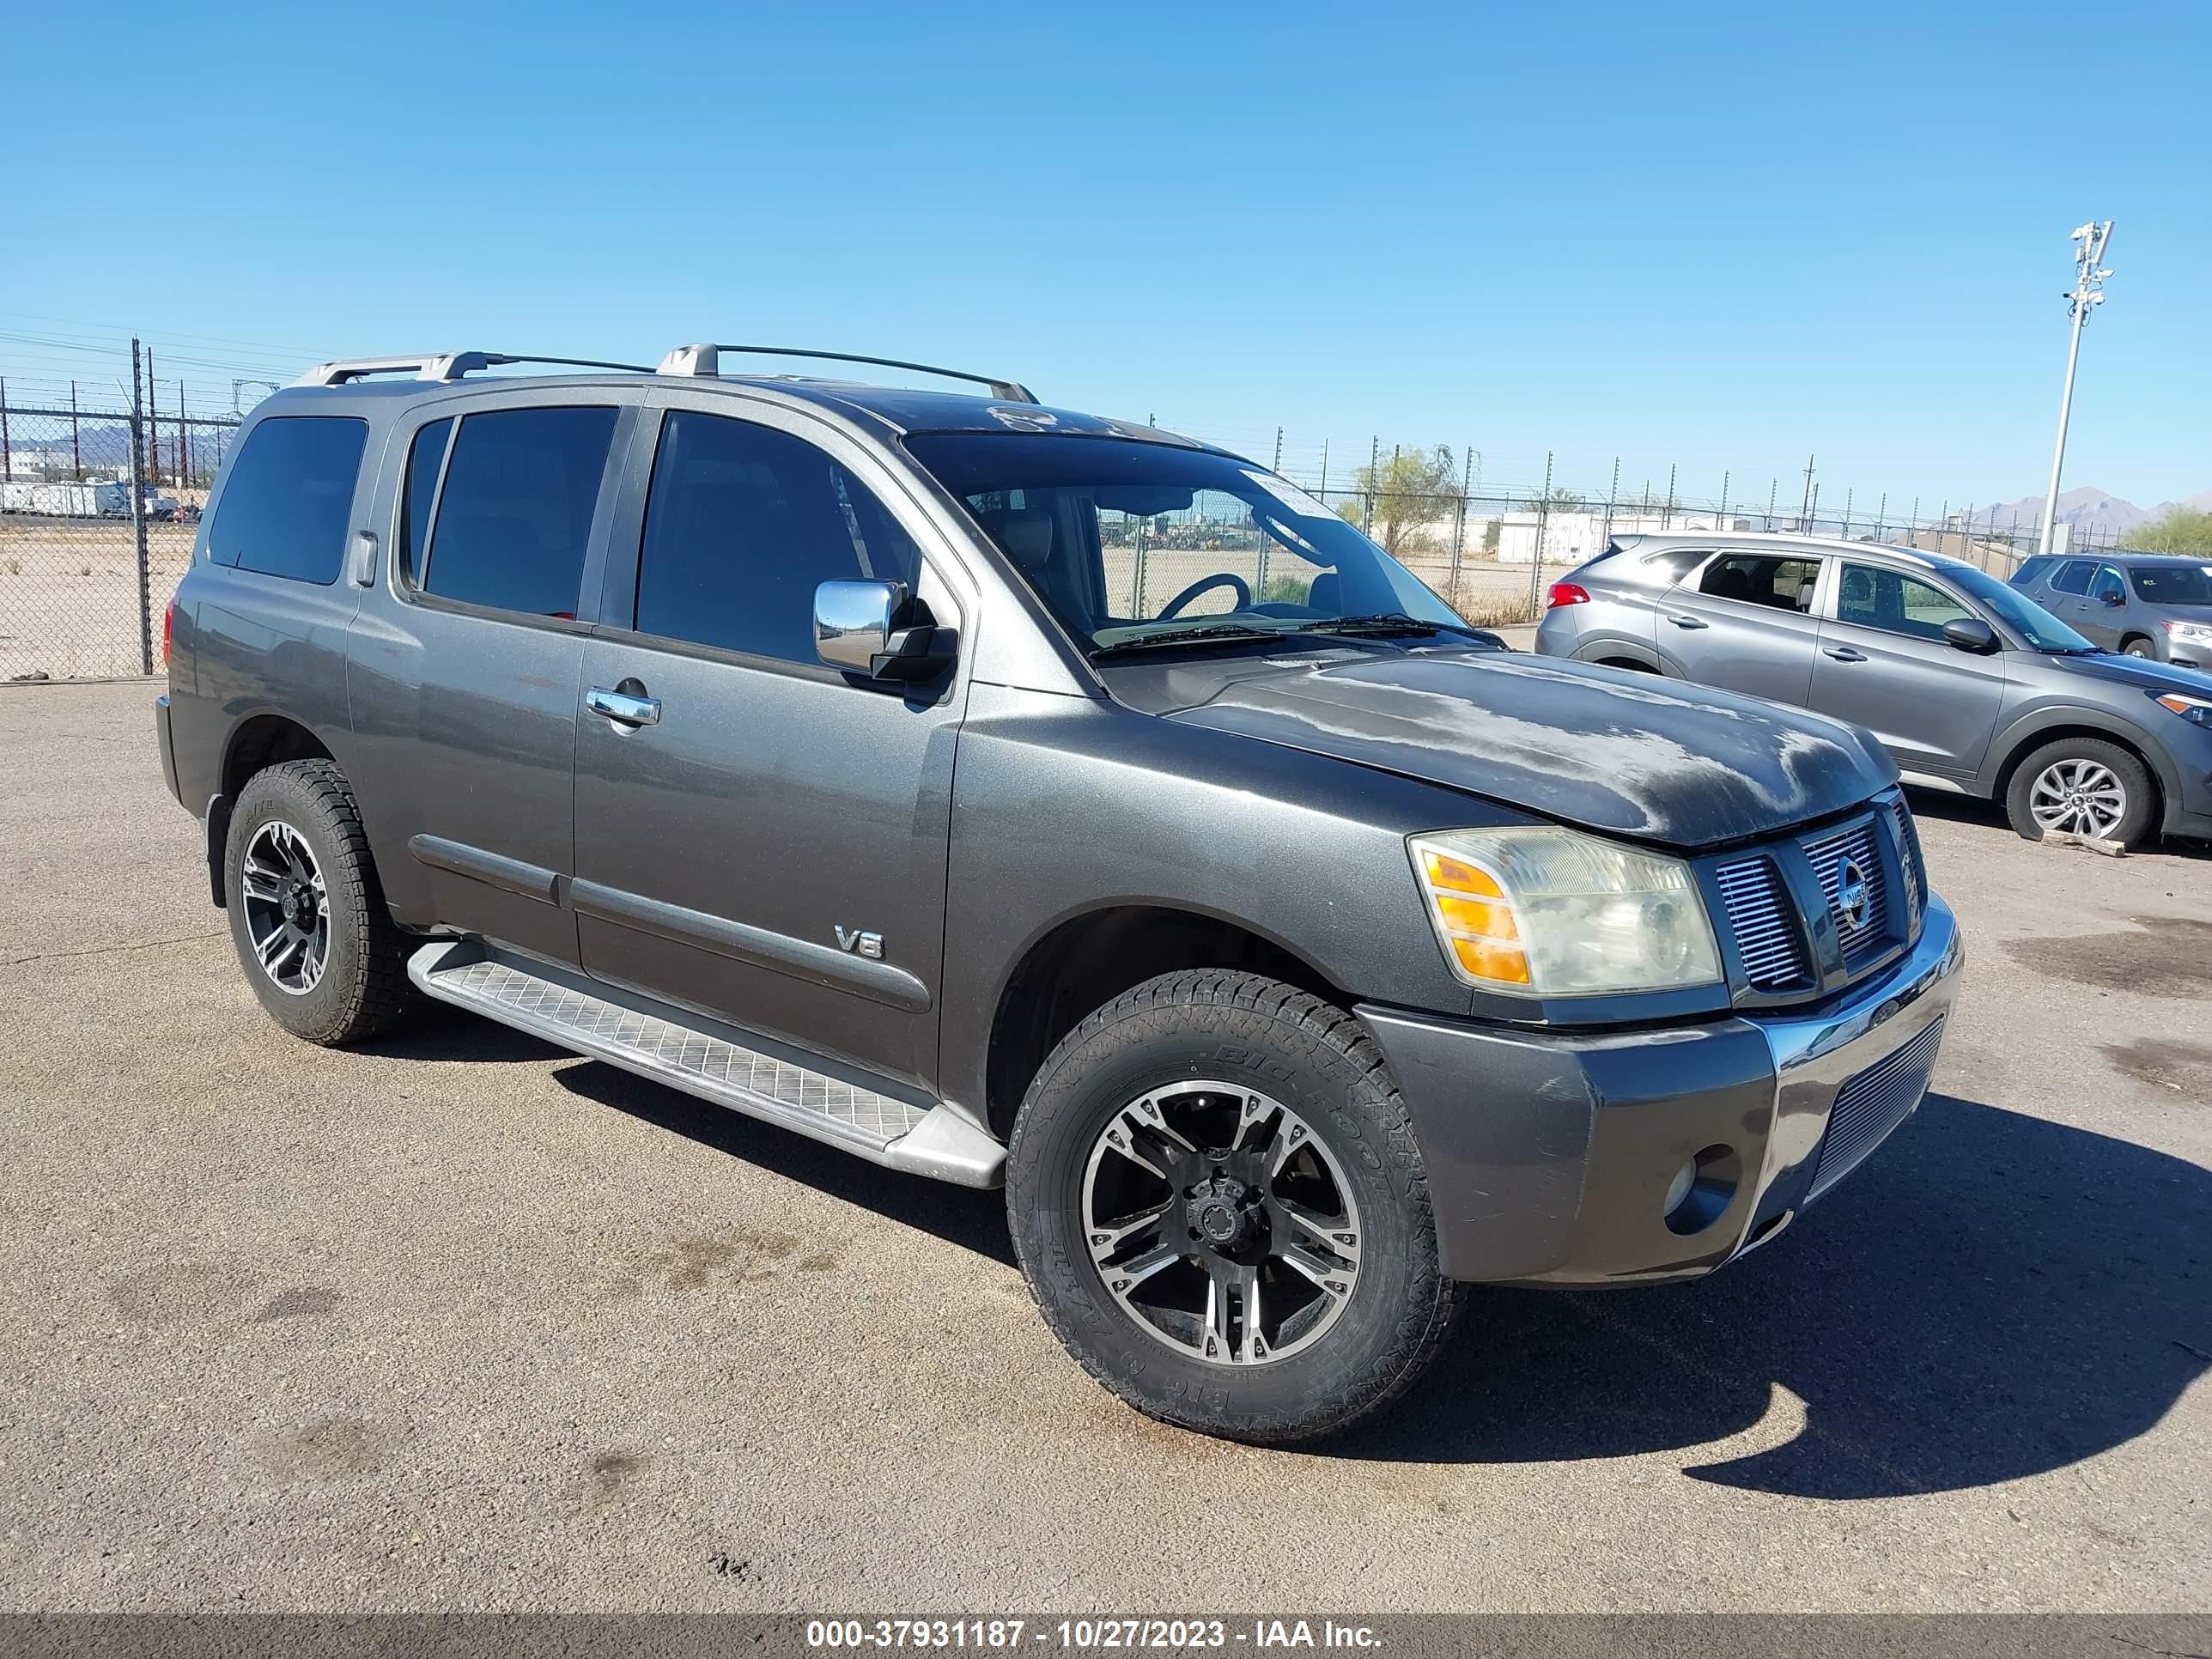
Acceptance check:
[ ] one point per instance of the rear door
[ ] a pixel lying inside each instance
(771, 847)
(1884, 663)
(463, 683)
(2065, 595)
(1745, 623)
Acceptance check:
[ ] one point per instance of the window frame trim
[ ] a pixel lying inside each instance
(939, 568)
(463, 403)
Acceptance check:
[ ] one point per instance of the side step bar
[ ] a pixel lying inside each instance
(654, 1041)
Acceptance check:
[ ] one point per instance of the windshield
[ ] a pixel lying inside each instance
(2171, 584)
(2042, 630)
(1133, 544)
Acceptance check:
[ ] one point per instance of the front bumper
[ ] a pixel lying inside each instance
(1549, 1155)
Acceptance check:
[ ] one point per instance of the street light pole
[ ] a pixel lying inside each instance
(2089, 275)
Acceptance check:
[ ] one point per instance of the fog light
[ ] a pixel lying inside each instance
(1702, 1190)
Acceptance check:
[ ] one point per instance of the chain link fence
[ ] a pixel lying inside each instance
(97, 508)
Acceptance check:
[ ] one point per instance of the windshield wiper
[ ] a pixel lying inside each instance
(1383, 623)
(1185, 635)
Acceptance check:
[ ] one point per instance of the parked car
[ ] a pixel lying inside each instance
(2152, 606)
(1973, 687)
(859, 759)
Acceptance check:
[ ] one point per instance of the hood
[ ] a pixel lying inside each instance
(1628, 754)
(2153, 678)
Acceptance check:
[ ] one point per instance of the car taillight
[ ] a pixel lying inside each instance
(1566, 593)
(168, 627)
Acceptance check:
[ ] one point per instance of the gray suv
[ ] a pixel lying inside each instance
(2155, 607)
(1974, 688)
(1017, 797)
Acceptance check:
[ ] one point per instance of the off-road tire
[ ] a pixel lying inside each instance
(1316, 1060)
(2142, 800)
(364, 988)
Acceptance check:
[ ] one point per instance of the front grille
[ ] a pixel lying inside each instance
(1858, 845)
(1757, 908)
(1906, 845)
(1869, 1106)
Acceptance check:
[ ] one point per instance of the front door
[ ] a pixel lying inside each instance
(760, 836)
(1745, 623)
(464, 692)
(1884, 663)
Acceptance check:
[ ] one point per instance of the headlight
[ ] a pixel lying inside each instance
(2185, 630)
(2198, 709)
(1552, 912)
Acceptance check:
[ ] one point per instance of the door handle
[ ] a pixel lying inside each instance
(621, 708)
(1844, 653)
(1689, 621)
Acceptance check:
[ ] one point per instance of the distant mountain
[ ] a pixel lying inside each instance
(2087, 508)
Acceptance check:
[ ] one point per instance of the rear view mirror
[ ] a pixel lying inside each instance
(1971, 634)
(878, 630)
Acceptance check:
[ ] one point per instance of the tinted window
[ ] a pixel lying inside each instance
(2108, 585)
(2073, 577)
(1872, 596)
(2031, 570)
(285, 506)
(424, 457)
(517, 509)
(2171, 584)
(743, 524)
(1676, 562)
(1762, 579)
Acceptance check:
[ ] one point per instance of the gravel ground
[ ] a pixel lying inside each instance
(459, 1321)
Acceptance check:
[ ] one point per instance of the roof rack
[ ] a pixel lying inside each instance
(706, 359)
(438, 366)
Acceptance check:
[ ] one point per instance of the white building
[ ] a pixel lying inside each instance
(1569, 536)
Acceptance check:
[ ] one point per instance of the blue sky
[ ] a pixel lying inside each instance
(1713, 235)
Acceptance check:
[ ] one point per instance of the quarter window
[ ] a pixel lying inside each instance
(286, 504)
(1872, 596)
(742, 523)
(1781, 584)
(424, 457)
(2073, 577)
(516, 511)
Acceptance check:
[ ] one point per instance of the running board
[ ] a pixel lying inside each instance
(931, 1140)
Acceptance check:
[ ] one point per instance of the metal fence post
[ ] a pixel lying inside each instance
(1611, 496)
(139, 521)
(1543, 518)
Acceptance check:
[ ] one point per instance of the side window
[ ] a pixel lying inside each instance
(285, 506)
(742, 524)
(1675, 562)
(2031, 570)
(516, 508)
(1872, 596)
(425, 457)
(2073, 577)
(1781, 584)
(2109, 586)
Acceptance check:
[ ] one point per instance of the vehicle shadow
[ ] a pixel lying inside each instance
(959, 1215)
(1992, 1296)
(1941, 804)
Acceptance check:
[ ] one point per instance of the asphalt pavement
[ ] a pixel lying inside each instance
(461, 1321)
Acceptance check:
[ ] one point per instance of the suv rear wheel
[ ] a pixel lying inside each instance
(307, 913)
(2085, 785)
(1216, 1196)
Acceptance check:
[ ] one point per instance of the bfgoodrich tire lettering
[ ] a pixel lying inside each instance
(362, 987)
(1282, 1045)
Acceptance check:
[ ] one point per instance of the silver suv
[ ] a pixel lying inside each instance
(1973, 687)
(2158, 608)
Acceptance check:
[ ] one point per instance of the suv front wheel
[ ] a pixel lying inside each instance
(1216, 1196)
(2083, 786)
(307, 913)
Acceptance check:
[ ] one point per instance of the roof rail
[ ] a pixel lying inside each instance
(438, 366)
(705, 360)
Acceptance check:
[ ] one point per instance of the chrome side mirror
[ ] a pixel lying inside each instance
(878, 630)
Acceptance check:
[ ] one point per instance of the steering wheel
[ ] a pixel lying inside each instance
(1221, 579)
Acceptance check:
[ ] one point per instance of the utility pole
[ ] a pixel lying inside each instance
(1720, 521)
(1805, 513)
(1773, 486)
(2090, 241)
(1367, 509)
(77, 455)
(184, 442)
(1666, 520)
(6, 455)
(153, 426)
(1612, 495)
(1543, 517)
(138, 525)
(1847, 514)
